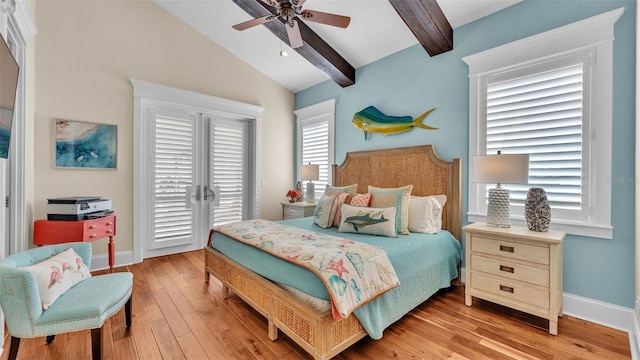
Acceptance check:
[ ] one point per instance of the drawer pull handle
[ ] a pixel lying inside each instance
(508, 269)
(92, 227)
(109, 231)
(508, 289)
(506, 248)
(92, 236)
(109, 223)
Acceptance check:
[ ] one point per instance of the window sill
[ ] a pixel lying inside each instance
(570, 227)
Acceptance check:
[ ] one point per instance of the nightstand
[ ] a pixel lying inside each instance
(297, 210)
(517, 268)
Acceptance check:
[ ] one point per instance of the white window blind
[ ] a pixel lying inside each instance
(315, 150)
(550, 95)
(540, 114)
(172, 175)
(315, 140)
(228, 169)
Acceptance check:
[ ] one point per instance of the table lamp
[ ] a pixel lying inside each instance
(310, 172)
(497, 169)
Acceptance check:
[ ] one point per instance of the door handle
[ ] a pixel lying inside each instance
(191, 197)
(208, 191)
(212, 194)
(198, 193)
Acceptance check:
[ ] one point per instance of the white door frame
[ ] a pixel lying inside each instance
(20, 26)
(146, 93)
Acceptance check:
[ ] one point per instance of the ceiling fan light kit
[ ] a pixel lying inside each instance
(290, 13)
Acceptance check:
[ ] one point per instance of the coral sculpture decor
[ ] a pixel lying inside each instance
(293, 195)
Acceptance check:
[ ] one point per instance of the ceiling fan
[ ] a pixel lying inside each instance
(290, 11)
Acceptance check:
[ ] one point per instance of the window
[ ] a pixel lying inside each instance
(315, 140)
(538, 96)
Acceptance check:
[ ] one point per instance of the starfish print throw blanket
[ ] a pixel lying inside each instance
(353, 272)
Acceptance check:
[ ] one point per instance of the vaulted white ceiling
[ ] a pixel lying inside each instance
(375, 31)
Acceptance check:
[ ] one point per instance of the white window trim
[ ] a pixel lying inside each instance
(149, 93)
(595, 33)
(309, 115)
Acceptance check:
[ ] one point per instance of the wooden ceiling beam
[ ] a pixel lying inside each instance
(427, 22)
(315, 50)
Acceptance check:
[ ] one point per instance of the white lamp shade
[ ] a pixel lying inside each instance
(501, 169)
(310, 172)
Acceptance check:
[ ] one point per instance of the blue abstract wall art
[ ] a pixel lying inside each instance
(82, 144)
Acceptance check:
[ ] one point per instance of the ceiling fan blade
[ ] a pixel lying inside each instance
(293, 32)
(326, 18)
(257, 21)
(272, 3)
(297, 3)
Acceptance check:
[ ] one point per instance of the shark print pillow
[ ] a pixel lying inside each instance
(368, 220)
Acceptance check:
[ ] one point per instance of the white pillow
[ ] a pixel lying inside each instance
(425, 213)
(323, 214)
(58, 274)
(368, 220)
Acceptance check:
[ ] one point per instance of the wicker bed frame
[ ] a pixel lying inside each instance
(317, 332)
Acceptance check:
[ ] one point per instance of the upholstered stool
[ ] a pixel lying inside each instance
(86, 305)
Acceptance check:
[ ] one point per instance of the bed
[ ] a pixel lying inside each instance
(316, 330)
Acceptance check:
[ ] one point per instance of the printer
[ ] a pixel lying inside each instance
(78, 208)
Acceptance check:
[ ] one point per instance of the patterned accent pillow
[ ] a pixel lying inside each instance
(58, 274)
(342, 198)
(322, 215)
(360, 200)
(398, 197)
(367, 220)
(425, 213)
(335, 190)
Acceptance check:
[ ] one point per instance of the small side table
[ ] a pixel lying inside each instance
(297, 210)
(517, 268)
(47, 232)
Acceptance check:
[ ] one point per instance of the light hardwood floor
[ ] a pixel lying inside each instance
(177, 316)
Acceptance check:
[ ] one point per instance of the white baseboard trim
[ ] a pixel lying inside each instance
(101, 262)
(601, 313)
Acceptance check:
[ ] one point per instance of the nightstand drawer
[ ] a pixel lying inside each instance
(291, 212)
(513, 250)
(297, 210)
(510, 289)
(511, 270)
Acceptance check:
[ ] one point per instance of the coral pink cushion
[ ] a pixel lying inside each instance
(362, 200)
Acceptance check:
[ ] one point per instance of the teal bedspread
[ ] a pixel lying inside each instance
(424, 263)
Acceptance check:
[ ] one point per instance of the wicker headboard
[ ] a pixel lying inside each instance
(419, 166)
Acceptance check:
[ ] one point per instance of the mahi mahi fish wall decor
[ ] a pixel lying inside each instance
(371, 120)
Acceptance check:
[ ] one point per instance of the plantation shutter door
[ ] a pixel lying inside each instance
(541, 114)
(173, 176)
(228, 170)
(315, 150)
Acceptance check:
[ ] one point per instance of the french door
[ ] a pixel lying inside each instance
(201, 172)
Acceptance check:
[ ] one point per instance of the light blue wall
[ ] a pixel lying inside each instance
(410, 82)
